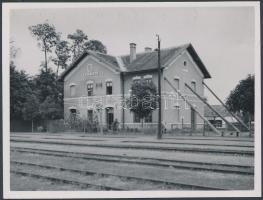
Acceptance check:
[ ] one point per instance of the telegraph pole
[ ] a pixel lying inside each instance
(159, 134)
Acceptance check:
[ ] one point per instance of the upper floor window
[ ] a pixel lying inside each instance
(72, 90)
(185, 66)
(108, 87)
(148, 78)
(136, 79)
(90, 88)
(177, 83)
(193, 85)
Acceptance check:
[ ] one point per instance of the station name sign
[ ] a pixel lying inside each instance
(91, 72)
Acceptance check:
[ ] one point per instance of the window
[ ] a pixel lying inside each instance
(185, 63)
(90, 89)
(177, 114)
(136, 81)
(148, 119)
(148, 80)
(216, 123)
(73, 113)
(90, 116)
(72, 89)
(193, 85)
(136, 118)
(108, 87)
(176, 83)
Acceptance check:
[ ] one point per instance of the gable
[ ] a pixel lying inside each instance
(108, 61)
(89, 68)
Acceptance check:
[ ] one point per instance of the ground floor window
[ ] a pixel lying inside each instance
(136, 118)
(90, 116)
(148, 119)
(216, 123)
(73, 113)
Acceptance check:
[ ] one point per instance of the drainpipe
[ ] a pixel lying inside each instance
(122, 93)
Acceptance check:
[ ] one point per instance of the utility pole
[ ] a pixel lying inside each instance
(159, 134)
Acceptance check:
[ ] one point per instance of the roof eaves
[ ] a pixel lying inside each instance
(198, 61)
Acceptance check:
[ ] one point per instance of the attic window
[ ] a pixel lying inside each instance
(185, 63)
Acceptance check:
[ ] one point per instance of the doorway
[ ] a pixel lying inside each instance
(109, 117)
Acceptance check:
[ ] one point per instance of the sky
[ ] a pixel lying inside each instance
(222, 36)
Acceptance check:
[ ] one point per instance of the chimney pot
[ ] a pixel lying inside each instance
(132, 52)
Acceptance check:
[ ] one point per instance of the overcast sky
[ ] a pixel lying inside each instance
(223, 37)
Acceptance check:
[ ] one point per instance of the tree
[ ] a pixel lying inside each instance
(95, 45)
(31, 109)
(62, 52)
(50, 95)
(143, 99)
(20, 88)
(46, 36)
(78, 40)
(13, 50)
(50, 109)
(241, 99)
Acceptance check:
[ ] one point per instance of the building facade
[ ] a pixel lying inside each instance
(97, 84)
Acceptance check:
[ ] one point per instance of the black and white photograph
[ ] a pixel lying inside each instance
(131, 100)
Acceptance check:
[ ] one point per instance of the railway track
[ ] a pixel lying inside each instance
(156, 162)
(88, 182)
(197, 144)
(159, 148)
(142, 142)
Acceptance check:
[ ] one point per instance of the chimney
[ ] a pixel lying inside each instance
(132, 52)
(147, 49)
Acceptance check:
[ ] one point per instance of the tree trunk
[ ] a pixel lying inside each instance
(46, 59)
(32, 123)
(57, 69)
(142, 122)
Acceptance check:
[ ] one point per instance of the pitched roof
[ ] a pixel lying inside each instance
(143, 61)
(219, 108)
(149, 60)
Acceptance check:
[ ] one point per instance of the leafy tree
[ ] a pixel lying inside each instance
(96, 45)
(51, 109)
(31, 109)
(13, 50)
(46, 36)
(62, 52)
(50, 94)
(20, 88)
(241, 99)
(78, 40)
(143, 99)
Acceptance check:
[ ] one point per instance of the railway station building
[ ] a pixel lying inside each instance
(96, 81)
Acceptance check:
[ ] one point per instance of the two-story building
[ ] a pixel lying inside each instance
(97, 81)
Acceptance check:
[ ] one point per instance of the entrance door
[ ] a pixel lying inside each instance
(193, 119)
(109, 117)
